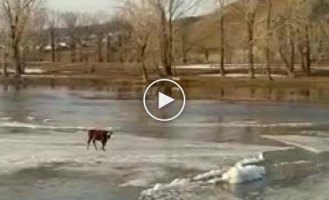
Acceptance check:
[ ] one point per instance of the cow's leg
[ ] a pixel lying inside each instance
(103, 146)
(88, 143)
(94, 142)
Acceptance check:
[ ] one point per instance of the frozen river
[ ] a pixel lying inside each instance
(43, 151)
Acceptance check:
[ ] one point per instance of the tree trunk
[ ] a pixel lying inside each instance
(290, 73)
(292, 53)
(165, 43)
(222, 46)
(267, 48)
(53, 47)
(73, 53)
(99, 50)
(308, 51)
(17, 60)
(206, 55)
(184, 49)
(251, 50)
(142, 56)
(171, 39)
(23, 60)
(80, 53)
(184, 57)
(16, 52)
(108, 49)
(302, 57)
(5, 64)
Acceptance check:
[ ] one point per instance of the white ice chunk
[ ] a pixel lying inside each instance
(243, 174)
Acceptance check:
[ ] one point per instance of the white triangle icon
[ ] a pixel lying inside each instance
(164, 100)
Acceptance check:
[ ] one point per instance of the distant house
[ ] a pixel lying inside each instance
(63, 46)
(58, 46)
(47, 48)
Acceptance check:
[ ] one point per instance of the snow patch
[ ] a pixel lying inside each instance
(53, 128)
(244, 124)
(177, 183)
(30, 71)
(48, 120)
(6, 118)
(208, 175)
(31, 118)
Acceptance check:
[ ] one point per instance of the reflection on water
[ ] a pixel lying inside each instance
(276, 94)
(300, 95)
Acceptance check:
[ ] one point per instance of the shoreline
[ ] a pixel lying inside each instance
(190, 81)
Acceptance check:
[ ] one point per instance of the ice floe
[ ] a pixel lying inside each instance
(244, 171)
(243, 174)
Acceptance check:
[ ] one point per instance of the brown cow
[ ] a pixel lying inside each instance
(98, 135)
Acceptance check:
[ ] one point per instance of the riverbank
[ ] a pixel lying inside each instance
(201, 75)
(197, 81)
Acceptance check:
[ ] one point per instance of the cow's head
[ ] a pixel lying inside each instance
(109, 134)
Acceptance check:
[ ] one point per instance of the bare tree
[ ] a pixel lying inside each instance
(287, 40)
(53, 23)
(222, 10)
(117, 25)
(184, 39)
(71, 20)
(305, 24)
(5, 61)
(187, 38)
(4, 52)
(307, 53)
(166, 12)
(34, 37)
(294, 32)
(248, 10)
(17, 14)
(100, 31)
(142, 27)
(268, 38)
(108, 47)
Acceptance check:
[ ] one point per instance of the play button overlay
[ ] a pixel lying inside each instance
(164, 100)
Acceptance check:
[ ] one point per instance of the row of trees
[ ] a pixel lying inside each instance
(16, 16)
(283, 28)
(158, 33)
(156, 26)
(27, 26)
